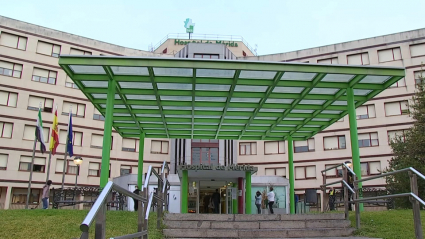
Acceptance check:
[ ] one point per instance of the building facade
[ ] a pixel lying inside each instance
(29, 74)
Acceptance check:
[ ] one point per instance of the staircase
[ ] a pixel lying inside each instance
(331, 225)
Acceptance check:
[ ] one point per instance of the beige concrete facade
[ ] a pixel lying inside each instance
(14, 181)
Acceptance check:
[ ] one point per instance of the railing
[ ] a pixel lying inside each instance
(205, 37)
(98, 212)
(413, 195)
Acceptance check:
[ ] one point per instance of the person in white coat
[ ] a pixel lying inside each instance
(270, 199)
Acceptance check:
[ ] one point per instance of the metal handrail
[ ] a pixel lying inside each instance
(149, 205)
(391, 196)
(336, 166)
(340, 181)
(391, 173)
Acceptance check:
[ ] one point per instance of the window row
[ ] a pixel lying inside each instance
(43, 47)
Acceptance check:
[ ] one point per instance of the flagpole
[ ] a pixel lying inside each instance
(31, 165)
(66, 149)
(50, 156)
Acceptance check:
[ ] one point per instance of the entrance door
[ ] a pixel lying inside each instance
(229, 200)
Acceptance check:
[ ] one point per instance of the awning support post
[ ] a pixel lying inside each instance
(248, 195)
(291, 175)
(354, 140)
(107, 133)
(140, 164)
(184, 187)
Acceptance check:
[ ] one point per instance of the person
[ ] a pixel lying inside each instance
(216, 200)
(258, 198)
(350, 181)
(206, 203)
(332, 199)
(270, 198)
(136, 202)
(46, 194)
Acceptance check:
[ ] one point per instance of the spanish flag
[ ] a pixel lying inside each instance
(54, 139)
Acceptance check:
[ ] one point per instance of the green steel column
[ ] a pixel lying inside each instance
(235, 200)
(355, 153)
(291, 175)
(107, 134)
(184, 187)
(248, 195)
(140, 165)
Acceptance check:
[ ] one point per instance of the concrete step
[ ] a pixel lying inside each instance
(287, 238)
(255, 217)
(257, 224)
(258, 233)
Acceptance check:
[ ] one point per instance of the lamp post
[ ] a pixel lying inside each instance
(77, 161)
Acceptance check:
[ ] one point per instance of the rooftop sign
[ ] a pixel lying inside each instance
(189, 25)
(227, 43)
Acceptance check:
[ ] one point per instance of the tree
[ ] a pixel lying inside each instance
(409, 150)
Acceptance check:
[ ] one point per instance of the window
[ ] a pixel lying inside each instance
(366, 112)
(393, 134)
(207, 56)
(333, 173)
(25, 164)
(358, 59)
(14, 41)
(205, 156)
(49, 49)
(399, 83)
(276, 171)
(418, 76)
(396, 108)
(215, 141)
(274, 147)
(305, 172)
(72, 168)
(368, 140)
(59, 166)
(79, 52)
(249, 148)
(29, 133)
(97, 115)
(8, 98)
(3, 161)
(130, 145)
(44, 76)
(392, 54)
(69, 83)
(77, 137)
(78, 110)
(97, 141)
(135, 169)
(6, 130)
(125, 169)
(19, 196)
(304, 146)
(10, 69)
(370, 168)
(159, 147)
(417, 50)
(332, 61)
(334, 142)
(94, 169)
(46, 104)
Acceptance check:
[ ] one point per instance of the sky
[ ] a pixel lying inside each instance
(275, 26)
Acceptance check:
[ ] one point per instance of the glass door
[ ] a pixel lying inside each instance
(229, 200)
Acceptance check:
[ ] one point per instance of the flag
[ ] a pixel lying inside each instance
(39, 132)
(54, 139)
(69, 148)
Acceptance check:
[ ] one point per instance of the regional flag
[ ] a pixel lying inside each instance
(54, 139)
(39, 132)
(69, 148)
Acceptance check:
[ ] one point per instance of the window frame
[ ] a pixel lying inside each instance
(339, 143)
(73, 137)
(250, 147)
(305, 172)
(43, 109)
(136, 141)
(370, 140)
(361, 57)
(98, 170)
(275, 171)
(410, 51)
(395, 85)
(21, 170)
(392, 51)
(368, 168)
(13, 70)
(78, 105)
(84, 51)
(131, 166)
(367, 110)
(48, 76)
(7, 161)
(308, 147)
(404, 134)
(100, 147)
(51, 52)
(278, 147)
(162, 146)
(331, 58)
(401, 111)
(17, 44)
(336, 171)
(202, 56)
(34, 200)
(8, 99)
(201, 159)
(2, 130)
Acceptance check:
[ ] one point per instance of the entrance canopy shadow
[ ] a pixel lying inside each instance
(224, 99)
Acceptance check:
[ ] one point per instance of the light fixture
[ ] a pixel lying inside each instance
(78, 160)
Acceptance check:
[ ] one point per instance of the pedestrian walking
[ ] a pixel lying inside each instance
(270, 198)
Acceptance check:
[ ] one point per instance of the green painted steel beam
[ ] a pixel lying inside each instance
(193, 100)
(158, 99)
(229, 98)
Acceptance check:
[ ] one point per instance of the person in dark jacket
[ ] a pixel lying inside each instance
(216, 200)
(136, 202)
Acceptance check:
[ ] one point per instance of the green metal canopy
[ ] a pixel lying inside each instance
(224, 99)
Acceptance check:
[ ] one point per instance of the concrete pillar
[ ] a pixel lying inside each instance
(240, 196)
(8, 197)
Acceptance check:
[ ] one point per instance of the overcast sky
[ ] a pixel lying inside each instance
(274, 25)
